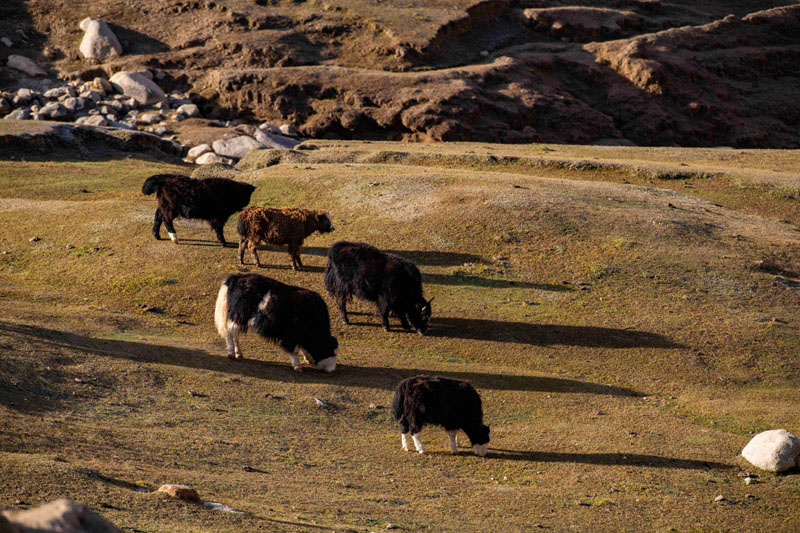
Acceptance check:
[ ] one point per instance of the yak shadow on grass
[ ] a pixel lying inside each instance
(545, 334)
(345, 375)
(420, 257)
(605, 458)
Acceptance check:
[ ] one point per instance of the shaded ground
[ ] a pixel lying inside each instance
(628, 332)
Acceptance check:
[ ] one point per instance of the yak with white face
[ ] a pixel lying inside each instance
(295, 318)
(451, 403)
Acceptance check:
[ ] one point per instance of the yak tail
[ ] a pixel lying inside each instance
(241, 225)
(398, 401)
(152, 184)
(221, 311)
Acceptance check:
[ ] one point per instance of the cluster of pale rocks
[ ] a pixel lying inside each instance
(129, 100)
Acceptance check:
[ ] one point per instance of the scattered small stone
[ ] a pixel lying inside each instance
(184, 492)
(374, 184)
(391, 526)
(274, 396)
(198, 150)
(320, 403)
(375, 406)
(79, 380)
(288, 129)
(221, 507)
(6, 41)
(484, 53)
(34, 239)
(719, 498)
(194, 394)
(70, 247)
(210, 158)
(189, 110)
(749, 481)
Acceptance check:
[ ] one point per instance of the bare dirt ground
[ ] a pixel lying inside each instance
(629, 324)
(607, 72)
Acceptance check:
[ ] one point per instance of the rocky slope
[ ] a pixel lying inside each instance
(606, 71)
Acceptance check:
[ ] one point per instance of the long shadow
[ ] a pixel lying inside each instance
(607, 459)
(459, 280)
(134, 42)
(345, 375)
(420, 257)
(545, 334)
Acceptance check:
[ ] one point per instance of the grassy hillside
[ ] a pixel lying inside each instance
(629, 316)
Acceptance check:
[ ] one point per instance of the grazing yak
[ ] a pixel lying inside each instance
(451, 403)
(287, 225)
(293, 317)
(210, 199)
(393, 283)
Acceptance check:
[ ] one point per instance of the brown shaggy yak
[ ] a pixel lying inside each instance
(287, 225)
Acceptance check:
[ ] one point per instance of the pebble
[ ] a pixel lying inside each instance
(70, 247)
(719, 498)
(34, 239)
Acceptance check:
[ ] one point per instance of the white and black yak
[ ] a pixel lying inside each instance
(451, 403)
(287, 225)
(295, 318)
(393, 283)
(211, 199)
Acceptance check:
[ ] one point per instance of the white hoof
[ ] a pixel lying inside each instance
(173, 238)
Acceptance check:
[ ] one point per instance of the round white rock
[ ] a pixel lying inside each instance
(775, 450)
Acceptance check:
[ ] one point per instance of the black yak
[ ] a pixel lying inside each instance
(210, 199)
(293, 317)
(287, 225)
(393, 283)
(451, 403)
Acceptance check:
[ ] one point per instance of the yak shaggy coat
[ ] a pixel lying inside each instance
(210, 199)
(451, 403)
(293, 317)
(393, 283)
(287, 225)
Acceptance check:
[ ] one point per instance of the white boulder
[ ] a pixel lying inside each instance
(238, 147)
(266, 126)
(99, 42)
(136, 86)
(149, 118)
(775, 450)
(25, 65)
(198, 150)
(190, 110)
(288, 129)
(275, 141)
(210, 158)
(92, 120)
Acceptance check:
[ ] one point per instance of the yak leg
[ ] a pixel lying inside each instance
(417, 441)
(232, 341)
(341, 303)
(294, 252)
(383, 309)
(404, 441)
(217, 226)
(157, 220)
(170, 229)
(404, 321)
(242, 246)
(253, 245)
(453, 441)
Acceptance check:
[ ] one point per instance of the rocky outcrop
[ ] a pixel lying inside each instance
(99, 42)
